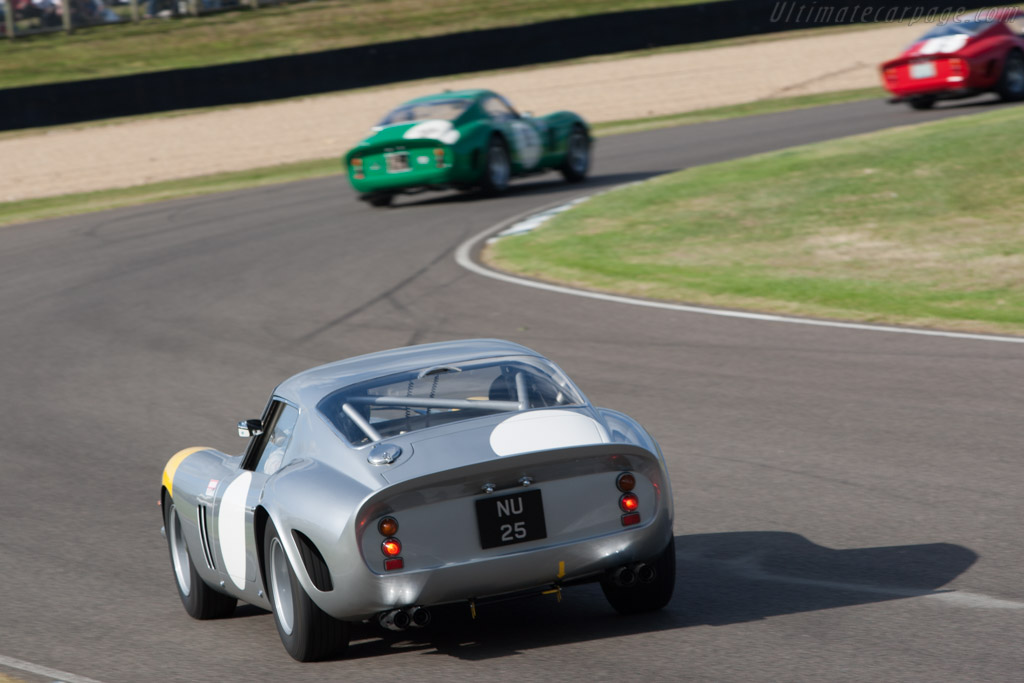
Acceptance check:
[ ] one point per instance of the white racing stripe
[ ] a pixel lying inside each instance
(29, 667)
(463, 256)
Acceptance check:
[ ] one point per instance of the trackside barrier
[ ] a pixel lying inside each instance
(369, 65)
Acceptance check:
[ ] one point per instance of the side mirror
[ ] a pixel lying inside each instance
(247, 428)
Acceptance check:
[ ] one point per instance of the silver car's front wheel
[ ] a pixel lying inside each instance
(199, 599)
(307, 632)
(179, 554)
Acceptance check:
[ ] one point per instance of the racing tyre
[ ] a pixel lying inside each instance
(200, 600)
(923, 102)
(577, 156)
(1011, 82)
(307, 632)
(497, 168)
(382, 199)
(645, 596)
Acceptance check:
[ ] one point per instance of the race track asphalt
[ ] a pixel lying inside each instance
(848, 503)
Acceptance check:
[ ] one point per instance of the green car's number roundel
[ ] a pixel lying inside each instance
(527, 143)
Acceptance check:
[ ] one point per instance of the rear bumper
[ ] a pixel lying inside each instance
(368, 594)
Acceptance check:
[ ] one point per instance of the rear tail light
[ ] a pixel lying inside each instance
(957, 69)
(439, 157)
(394, 563)
(891, 74)
(391, 547)
(631, 519)
(629, 502)
(388, 526)
(357, 168)
(625, 482)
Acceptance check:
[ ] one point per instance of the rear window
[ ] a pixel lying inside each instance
(428, 397)
(953, 28)
(448, 110)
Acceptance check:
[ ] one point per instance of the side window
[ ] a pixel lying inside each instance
(277, 438)
(498, 109)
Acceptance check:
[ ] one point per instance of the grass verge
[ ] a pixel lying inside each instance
(67, 205)
(917, 226)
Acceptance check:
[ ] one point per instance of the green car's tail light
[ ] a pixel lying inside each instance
(439, 157)
(357, 169)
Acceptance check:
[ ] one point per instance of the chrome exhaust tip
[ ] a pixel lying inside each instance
(418, 616)
(624, 576)
(394, 620)
(645, 573)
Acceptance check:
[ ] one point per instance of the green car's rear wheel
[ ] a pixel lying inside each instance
(497, 167)
(577, 156)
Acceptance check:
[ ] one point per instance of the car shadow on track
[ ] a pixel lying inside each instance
(534, 186)
(721, 579)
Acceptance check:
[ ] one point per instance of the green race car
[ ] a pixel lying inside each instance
(464, 139)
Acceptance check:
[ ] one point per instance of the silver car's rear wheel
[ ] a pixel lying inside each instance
(281, 586)
(307, 632)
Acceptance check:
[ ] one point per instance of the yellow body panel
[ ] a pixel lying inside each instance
(172, 466)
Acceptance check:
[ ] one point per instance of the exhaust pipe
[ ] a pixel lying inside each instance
(645, 573)
(395, 620)
(418, 616)
(624, 576)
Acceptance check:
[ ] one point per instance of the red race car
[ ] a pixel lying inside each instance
(982, 52)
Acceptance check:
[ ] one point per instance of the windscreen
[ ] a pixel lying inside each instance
(428, 397)
(448, 110)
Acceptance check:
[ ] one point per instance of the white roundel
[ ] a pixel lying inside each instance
(231, 528)
(542, 430)
(527, 143)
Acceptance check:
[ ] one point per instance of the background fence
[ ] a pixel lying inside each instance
(27, 17)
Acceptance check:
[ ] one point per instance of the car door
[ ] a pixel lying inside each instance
(237, 498)
(523, 138)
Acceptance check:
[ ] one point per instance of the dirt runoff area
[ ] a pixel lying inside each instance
(135, 152)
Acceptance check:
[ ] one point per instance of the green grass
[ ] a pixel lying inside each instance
(67, 205)
(919, 225)
(286, 29)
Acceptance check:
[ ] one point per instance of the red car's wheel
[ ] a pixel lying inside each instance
(1011, 83)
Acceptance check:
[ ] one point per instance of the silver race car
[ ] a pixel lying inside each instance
(383, 485)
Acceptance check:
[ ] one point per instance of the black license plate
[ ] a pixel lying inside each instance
(397, 162)
(515, 518)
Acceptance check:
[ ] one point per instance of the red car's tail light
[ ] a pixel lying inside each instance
(629, 502)
(958, 69)
(625, 482)
(891, 74)
(388, 526)
(391, 547)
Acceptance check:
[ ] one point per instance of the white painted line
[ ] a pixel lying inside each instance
(29, 667)
(463, 256)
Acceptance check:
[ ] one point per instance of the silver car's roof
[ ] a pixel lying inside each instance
(308, 387)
